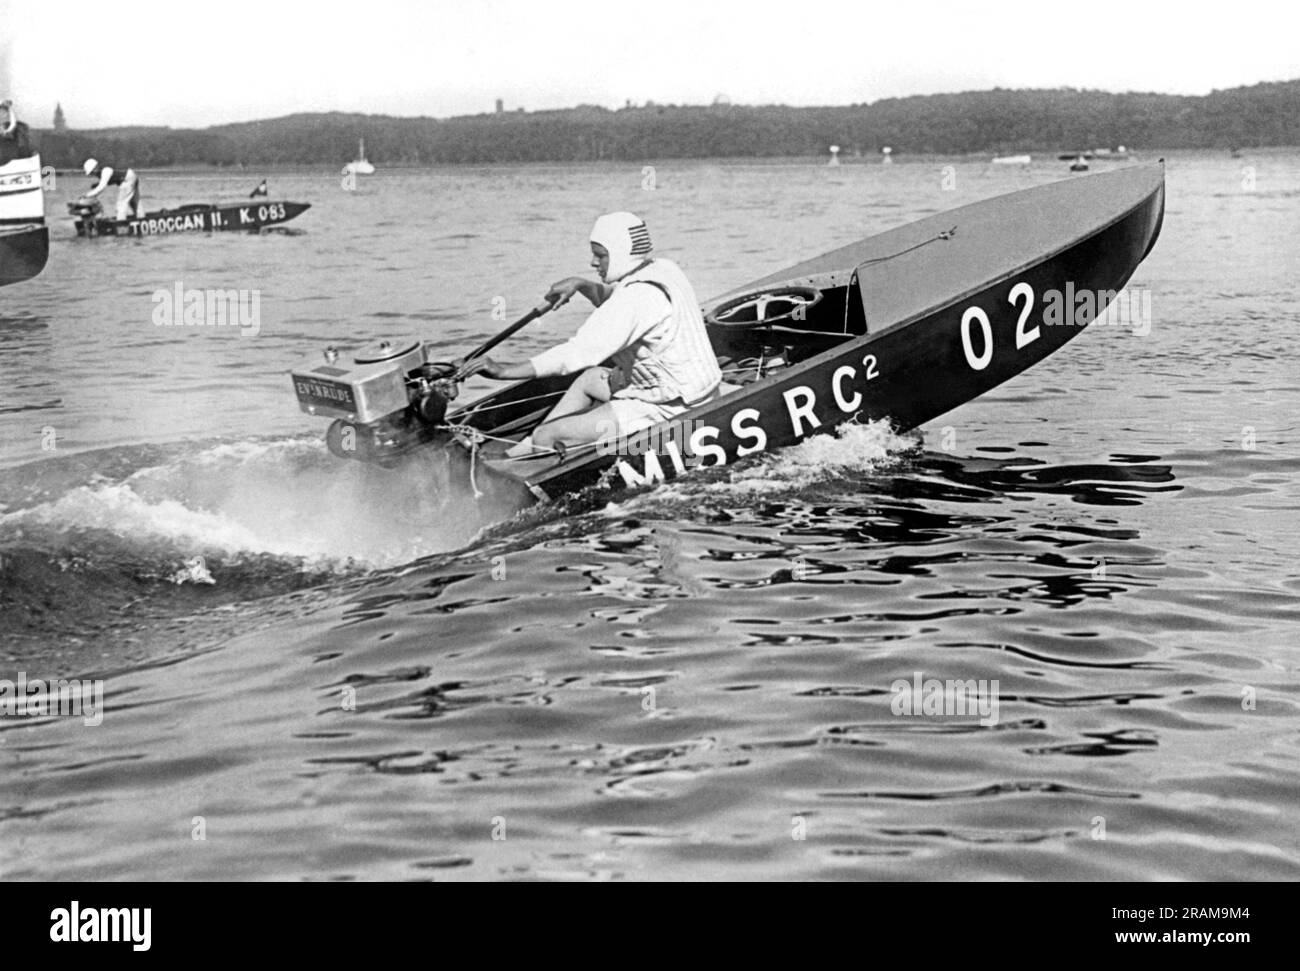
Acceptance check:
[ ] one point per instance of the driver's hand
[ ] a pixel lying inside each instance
(563, 291)
(480, 365)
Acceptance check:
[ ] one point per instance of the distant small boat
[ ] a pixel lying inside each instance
(360, 166)
(1013, 160)
(195, 218)
(1080, 164)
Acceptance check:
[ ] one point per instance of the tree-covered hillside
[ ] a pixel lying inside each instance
(994, 121)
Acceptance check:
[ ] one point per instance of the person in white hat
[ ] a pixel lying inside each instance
(128, 186)
(647, 321)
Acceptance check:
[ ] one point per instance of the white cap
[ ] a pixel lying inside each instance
(626, 238)
(89, 166)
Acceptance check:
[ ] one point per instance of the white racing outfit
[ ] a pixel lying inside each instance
(652, 328)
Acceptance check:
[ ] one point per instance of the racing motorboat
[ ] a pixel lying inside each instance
(905, 325)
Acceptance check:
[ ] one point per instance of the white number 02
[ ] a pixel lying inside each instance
(1024, 336)
(982, 361)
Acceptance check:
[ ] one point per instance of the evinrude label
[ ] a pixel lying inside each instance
(314, 392)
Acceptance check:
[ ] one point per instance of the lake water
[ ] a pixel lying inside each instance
(691, 682)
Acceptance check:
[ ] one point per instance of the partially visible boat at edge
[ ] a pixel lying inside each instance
(905, 325)
(24, 237)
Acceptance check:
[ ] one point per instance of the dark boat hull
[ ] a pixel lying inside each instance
(23, 253)
(248, 217)
(946, 320)
(914, 323)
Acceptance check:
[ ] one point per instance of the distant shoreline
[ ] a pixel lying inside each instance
(996, 122)
(1040, 159)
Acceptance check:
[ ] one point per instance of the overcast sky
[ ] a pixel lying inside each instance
(154, 62)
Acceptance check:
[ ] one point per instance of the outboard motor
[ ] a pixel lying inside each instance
(87, 213)
(388, 400)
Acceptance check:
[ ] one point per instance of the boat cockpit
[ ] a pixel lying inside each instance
(763, 330)
(754, 335)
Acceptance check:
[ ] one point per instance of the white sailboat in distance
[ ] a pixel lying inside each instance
(360, 166)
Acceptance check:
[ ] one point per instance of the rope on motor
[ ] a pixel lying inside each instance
(476, 438)
(469, 431)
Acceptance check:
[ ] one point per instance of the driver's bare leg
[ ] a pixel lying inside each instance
(580, 429)
(590, 389)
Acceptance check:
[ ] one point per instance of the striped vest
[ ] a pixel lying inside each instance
(675, 359)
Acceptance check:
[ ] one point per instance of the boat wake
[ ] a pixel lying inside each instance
(852, 450)
(285, 499)
(90, 541)
(216, 523)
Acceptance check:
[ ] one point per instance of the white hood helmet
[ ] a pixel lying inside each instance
(626, 238)
(89, 166)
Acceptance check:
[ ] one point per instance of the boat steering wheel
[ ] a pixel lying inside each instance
(776, 306)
